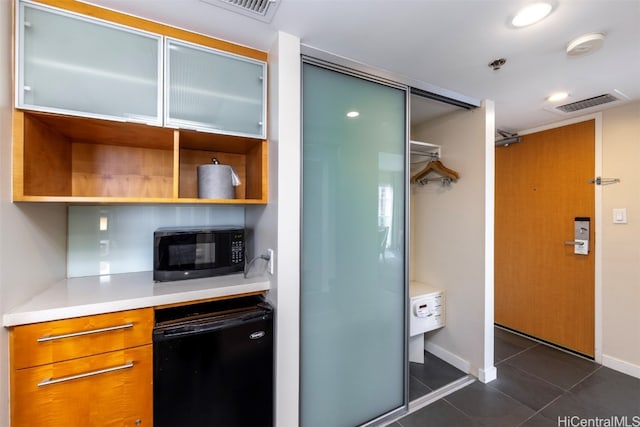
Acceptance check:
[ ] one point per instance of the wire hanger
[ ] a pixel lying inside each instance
(446, 175)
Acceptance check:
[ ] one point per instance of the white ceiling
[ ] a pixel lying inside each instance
(446, 44)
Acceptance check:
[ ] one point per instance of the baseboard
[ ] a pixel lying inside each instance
(621, 366)
(487, 375)
(447, 356)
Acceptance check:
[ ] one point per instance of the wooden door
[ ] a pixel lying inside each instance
(541, 287)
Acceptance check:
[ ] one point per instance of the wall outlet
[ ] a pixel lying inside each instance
(272, 260)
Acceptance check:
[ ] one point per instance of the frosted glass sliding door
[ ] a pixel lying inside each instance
(353, 249)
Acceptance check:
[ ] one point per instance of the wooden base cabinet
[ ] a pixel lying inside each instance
(110, 389)
(86, 371)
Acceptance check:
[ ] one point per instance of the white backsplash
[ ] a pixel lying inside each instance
(119, 239)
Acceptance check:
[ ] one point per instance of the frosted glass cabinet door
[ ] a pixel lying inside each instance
(213, 90)
(72, 64)
(353, 278)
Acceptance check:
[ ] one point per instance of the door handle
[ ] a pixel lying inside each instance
(573, 242)
(82, 333)
(50, 381)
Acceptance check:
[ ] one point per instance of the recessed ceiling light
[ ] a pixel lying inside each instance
(531, 14)
(557, 97)
(352, 114)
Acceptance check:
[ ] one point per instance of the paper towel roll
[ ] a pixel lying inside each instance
(215, 182)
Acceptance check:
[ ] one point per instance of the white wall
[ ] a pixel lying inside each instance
(32, 237)
(620, 253)
(277, 225)
(452, 238)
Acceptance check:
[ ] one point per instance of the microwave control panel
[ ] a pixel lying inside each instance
(237, 249)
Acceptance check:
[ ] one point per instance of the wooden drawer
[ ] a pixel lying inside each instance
(110, 389)
(48, 342)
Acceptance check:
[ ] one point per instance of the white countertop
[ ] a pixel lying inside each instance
(83, 296)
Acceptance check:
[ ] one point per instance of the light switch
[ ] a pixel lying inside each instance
(620, 216)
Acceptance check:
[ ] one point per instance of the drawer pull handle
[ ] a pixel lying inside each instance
(89, 332)
(50, 381)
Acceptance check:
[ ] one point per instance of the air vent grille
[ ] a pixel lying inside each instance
(256, 6)
(259, 9)
(587, 103)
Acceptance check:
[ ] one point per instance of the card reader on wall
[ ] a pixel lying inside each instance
(581, 229)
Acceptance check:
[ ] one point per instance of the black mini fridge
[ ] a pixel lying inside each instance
(213, 364)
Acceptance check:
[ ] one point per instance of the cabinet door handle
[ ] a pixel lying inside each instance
(89, 332)
(50, 381)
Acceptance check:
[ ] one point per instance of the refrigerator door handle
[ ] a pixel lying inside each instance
(203, 327)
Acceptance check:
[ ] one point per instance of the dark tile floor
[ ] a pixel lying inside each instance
(433, 374)
(537, 385)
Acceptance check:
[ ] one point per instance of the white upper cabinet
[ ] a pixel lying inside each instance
(72, 64)
(211, 90)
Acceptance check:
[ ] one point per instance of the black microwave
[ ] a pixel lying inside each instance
(193, 252)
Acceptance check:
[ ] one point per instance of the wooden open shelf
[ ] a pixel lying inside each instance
(59, 158)
(246, 156)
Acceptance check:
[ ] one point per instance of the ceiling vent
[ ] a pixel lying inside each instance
(262, 10)
(587, 103)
